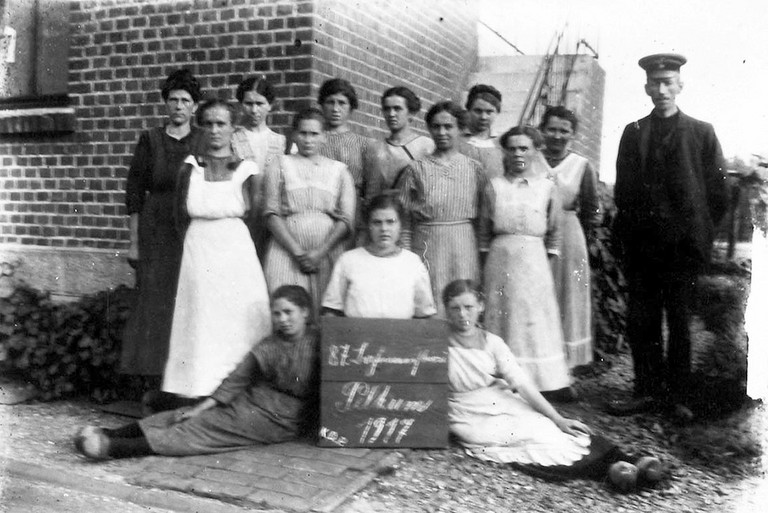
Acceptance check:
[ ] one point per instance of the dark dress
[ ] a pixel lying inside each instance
(150, 189)
(270, 397)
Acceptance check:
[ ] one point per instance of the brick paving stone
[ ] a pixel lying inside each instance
(224, 476)
(288, 488)
(320, 480)
(258, 468)
(321, 467)
(352, 462)
(161, 480)
(358, 453)
(172, 466)
(209, 460)
(273, 499)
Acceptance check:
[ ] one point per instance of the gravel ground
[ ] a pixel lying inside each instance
(714, 466)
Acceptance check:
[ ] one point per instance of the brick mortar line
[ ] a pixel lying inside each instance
(167, 499)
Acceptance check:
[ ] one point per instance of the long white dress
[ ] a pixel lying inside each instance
(571, 270)
(222, 304)
(522, 213)
(490, 419)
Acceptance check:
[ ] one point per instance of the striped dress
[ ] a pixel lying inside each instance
(522, 214)
(310, 197)
(441, 202)
(365, 160)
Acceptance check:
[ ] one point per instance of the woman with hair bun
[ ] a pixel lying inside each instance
(483, 105)
(364, 157)
(253, 140)
(156, 245)
(400, 105)
(577, 184)
(441, 197)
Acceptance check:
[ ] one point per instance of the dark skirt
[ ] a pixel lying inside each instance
(148, 330)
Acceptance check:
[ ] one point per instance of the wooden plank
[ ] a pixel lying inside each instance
(385, 350)
(390, 415)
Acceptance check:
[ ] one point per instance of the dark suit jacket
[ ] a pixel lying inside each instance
(676, 226)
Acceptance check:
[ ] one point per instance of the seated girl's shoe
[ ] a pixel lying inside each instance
(623, 476)
(92, 443)
(650, 470)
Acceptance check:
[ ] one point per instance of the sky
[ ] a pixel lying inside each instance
(725, 81)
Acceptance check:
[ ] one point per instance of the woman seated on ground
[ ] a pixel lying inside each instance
(270, 397)
(498, 415)
(380, 279)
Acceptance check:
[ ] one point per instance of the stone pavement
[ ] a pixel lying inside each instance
(289, 476)
(36, 445)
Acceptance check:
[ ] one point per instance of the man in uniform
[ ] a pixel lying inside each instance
(670, 193)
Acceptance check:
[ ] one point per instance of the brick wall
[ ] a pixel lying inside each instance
(585, 97)
(66, 191)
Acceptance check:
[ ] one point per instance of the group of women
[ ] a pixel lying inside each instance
(345, 225)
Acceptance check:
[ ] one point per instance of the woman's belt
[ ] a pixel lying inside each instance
(444, 223)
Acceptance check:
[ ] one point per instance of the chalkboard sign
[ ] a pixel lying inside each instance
(383, 383)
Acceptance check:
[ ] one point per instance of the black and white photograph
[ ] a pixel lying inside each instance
(376, 256)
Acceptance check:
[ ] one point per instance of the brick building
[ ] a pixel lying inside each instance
(70, 116)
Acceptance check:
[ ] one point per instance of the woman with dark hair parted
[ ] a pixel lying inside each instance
(483, 105)
(364, 157)
(309, 209)
(254, 140)
(156, 245)
(441, 197)
(222, 305)
(497, 413)
(519, 232)
(400, 105)
(270, 397)
(381, 279)
(577, 184)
